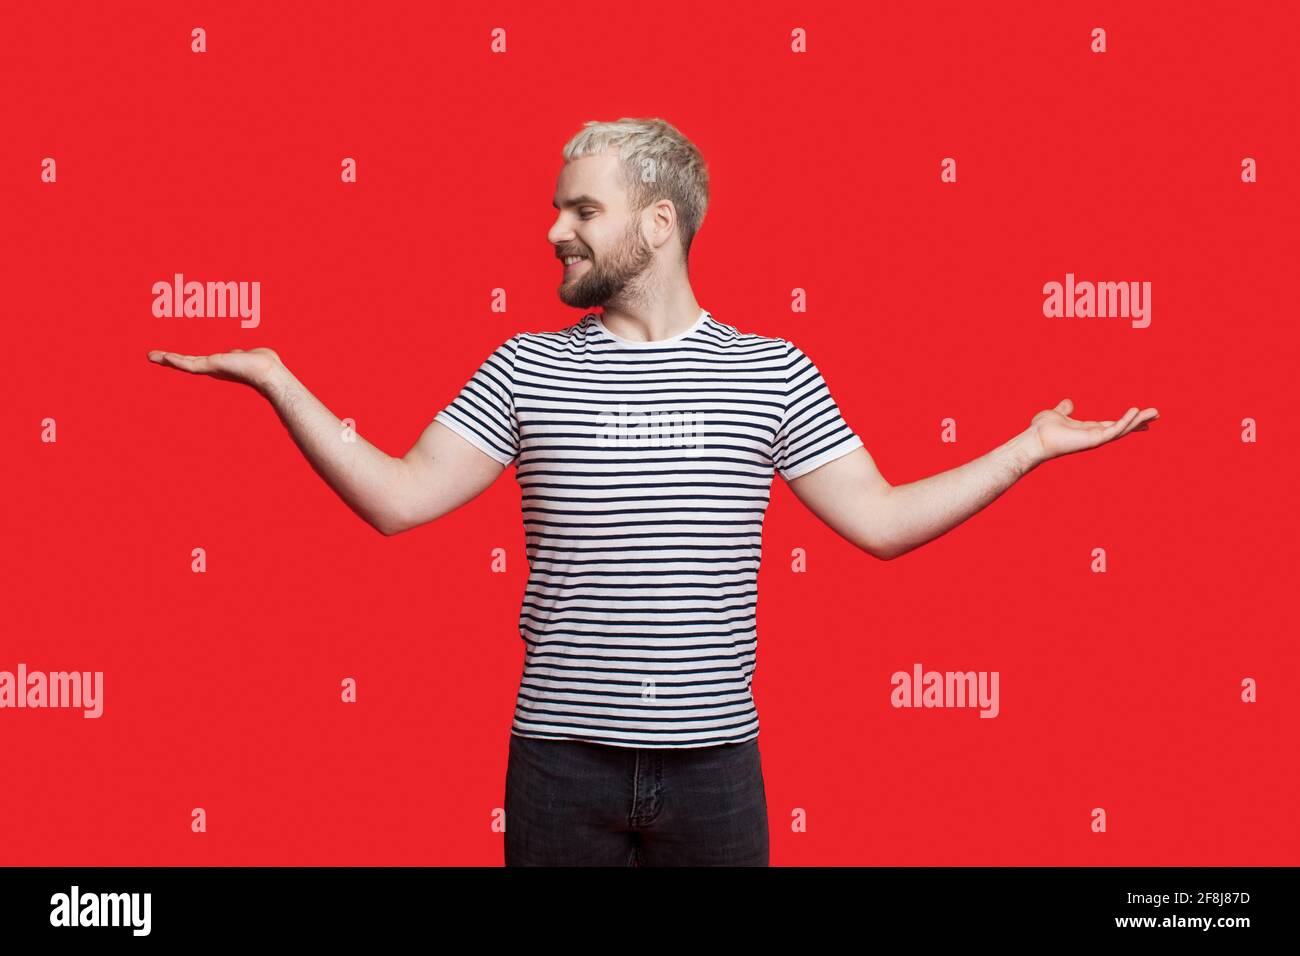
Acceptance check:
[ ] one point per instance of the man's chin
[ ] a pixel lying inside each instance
(568, 297)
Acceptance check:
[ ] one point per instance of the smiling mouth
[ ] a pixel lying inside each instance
(572, 262)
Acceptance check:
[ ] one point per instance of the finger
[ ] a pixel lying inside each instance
(1119, 425)
(1141, 421)
(198, 364)
(1106, 424)
(1141, 418)
(1116, 429)
(1065, 407)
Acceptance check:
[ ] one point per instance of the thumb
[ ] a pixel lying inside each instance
(1065, 407)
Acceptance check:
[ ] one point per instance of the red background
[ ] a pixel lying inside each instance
(1118, 690)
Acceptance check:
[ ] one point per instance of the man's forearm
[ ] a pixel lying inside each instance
(920, 511)
(365, 477)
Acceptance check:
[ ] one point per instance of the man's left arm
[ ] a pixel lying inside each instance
(853, 499)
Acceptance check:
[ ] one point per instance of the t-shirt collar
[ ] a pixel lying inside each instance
(629, 343)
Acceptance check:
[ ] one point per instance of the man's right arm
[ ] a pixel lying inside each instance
(441, 472)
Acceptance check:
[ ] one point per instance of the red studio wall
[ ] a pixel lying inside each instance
(919, 173)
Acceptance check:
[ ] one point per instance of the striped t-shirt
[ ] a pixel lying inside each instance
(645, 470)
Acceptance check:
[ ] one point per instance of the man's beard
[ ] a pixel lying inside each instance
(601, 281)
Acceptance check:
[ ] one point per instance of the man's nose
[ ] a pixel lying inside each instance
(559, 233)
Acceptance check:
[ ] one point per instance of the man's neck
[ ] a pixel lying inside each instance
(650, 322)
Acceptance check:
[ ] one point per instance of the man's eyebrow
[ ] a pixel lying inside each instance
(578, 201)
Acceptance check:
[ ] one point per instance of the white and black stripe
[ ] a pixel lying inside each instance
(638, 617)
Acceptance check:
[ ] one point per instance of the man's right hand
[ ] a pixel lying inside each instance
(255, 367)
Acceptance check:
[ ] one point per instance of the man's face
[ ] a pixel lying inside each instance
(595, 222)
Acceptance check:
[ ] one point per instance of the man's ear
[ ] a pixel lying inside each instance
(664, 221)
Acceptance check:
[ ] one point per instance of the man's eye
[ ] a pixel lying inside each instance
(586, 212)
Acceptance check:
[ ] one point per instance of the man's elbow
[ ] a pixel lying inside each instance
(878, 547)
(876, 537)
(879, 551)
(389, 525)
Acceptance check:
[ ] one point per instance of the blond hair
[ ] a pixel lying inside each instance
(657, 161)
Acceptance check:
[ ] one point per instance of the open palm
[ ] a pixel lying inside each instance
(1058, 434)
(252, 367)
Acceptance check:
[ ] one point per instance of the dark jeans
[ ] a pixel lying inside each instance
(575, 803)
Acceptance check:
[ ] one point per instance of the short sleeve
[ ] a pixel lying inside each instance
(812, 430)
(484, 412)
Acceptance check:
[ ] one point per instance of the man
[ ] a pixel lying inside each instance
(645, 440)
